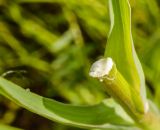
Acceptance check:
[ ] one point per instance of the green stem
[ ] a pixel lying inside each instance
(149, 121)
(126, 90)
(127, 96)
(120, 90)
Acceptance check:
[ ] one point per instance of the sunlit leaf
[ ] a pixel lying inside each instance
(120, 46)
(98, 116)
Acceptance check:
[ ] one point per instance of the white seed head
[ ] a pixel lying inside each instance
(101, 68)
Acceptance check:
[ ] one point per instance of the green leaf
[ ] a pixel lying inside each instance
(38, 1)
(6, 127)
(121, 49)
(98, 116)
(128, 128)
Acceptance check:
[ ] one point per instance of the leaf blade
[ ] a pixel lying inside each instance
(121, 49)
(98, 116)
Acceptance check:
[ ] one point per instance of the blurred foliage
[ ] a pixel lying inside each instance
(47, 46)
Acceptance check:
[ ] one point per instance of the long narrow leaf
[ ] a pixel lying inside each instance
(120, 46)
(98, 116)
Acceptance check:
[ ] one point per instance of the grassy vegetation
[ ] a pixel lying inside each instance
(48, 46)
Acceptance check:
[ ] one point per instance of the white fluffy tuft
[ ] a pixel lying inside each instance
(101, 68)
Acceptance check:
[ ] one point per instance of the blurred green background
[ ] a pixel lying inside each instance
(48, 46)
